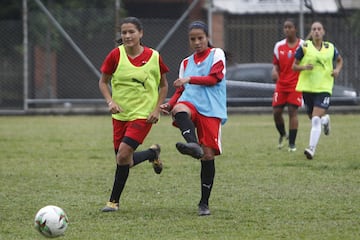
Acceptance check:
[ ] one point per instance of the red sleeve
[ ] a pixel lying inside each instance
(205, 80)
(218, 70)
(275, 60)
(176, 96)
(111, 61)
(215, 76)
(163, 67)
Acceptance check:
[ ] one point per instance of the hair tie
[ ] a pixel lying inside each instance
(199, 25)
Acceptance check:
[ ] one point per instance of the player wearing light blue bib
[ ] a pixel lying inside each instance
(208, 100)
(198, 106)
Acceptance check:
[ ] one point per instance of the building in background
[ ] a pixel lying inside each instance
(247, 29)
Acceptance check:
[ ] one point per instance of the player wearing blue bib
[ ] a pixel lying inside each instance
(200, 103)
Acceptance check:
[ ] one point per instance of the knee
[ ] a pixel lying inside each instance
(292, 112)
(123, 158)
(208, 154)
(277, 112)
(180, 108)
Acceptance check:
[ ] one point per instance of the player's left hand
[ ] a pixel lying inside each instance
(181, 81)
(335, 73)
(153, 117)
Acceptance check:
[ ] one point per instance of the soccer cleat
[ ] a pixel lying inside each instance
(156, 162)
(292, 148)
(327, 125)
(191, 149)
(281, 141)
(111, 207)
(309, 153)
(203, 209)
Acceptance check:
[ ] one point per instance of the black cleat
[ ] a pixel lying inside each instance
(191, 149)
(203, 209)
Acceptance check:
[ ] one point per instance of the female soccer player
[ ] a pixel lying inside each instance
(139, 86)
(200, 102)
(314, 59)
(286, 80)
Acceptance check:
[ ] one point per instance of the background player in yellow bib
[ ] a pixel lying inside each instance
(139, 86)
(315, 61)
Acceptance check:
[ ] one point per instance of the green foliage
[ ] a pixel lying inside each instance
(72, 18)
(260, 192)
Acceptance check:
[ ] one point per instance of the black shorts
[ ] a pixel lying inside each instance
(311, 100)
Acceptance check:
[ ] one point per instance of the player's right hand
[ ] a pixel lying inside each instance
(114, 108)
(165, 108)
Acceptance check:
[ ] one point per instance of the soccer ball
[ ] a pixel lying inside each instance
(51, 221)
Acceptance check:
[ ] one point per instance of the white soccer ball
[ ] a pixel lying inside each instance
(51, 221)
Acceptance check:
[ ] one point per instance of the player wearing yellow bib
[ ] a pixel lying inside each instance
(315, 60)
(139, 86)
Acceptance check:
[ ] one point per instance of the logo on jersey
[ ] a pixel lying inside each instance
(289, 55)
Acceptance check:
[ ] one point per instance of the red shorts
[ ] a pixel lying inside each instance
(283, 98)
(137, 130)
(208, 129)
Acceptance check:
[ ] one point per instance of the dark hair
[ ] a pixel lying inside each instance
(203, 26)
(200, 25)
(293, 21)
(132, 20)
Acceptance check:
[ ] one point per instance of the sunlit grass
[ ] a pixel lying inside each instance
(260, 192)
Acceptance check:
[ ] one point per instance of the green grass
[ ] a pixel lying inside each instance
(259, 193)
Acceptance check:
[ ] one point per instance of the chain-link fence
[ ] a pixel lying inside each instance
(64, 63)
(253, 38)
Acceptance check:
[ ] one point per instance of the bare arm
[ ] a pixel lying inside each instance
(297, 67)
(163, 90)
(338, 66)
(275, 73)
(105, 91)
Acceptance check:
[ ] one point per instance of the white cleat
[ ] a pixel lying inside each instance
(327, 125)
(292, 148)
(309, 153)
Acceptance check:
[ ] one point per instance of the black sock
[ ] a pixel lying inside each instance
(121, 175)
(142, 156)
(292, 136)
(186, 126)
(207, 179)
(281, 129)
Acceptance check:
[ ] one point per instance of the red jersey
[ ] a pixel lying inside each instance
(284, 57)
(112, 59)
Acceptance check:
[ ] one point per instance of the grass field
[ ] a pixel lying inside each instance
(260, 192)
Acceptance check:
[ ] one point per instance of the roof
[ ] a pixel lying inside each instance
(274, 6)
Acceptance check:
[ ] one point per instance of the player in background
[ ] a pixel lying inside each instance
(199, 102)
(139, 86)
(315, 61)
(286, 80)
